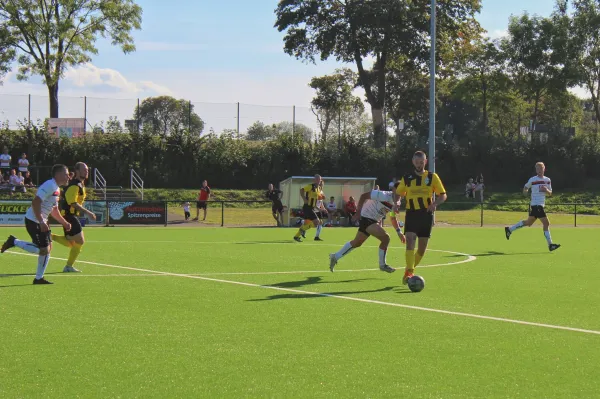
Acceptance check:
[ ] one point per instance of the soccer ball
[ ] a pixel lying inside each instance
(416, 283)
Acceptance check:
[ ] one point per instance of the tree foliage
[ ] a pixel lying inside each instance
(165, 115)
(47, 36)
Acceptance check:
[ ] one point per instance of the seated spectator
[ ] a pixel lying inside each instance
(350, 209)
(470, 189)
(23, 164)
(21, 179)
(27, 181)
(332, 212)
(14, 181)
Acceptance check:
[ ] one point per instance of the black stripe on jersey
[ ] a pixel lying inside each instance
(411, 204)
(418, 180)
(428, 202)
(421, 203)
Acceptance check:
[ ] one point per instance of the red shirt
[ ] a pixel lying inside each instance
(351, 207)
(203, 194)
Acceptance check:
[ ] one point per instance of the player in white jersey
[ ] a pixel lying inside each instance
(540, 187)
(371, 209)
(44, 204)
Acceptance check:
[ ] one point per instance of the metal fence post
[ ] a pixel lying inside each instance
(166, 204)
(293, 120)
(238, 121)
(481, 215)
(222, 213)
(107, 215)
(84, 113)
(575, 215)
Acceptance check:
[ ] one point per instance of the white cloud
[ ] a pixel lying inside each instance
(580, 92)
(497, 34)
(90, 77)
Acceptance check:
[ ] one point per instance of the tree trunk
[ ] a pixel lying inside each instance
(379, 132)
(535, 109)
(53, 95)
(484, 105)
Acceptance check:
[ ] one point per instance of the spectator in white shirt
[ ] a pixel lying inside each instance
(332, 212)
(23, 164)
(5, 159)
(393, 183)
(14, 180)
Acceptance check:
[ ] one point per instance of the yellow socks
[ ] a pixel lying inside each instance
(418, 258)
(62, 240)
(410, 259)
(307, 225)
(75, 250)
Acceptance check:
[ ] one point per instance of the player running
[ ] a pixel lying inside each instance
(310, 194)
(274, 195)
(418, 188)
(372, 207)
(71, 208)
(36, 222)
(541, 187)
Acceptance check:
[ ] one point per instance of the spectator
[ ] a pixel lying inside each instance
(203, 197)
(393, 183)
(27, 181)
(23, 164)
(332, 212)
(350, 209)
(470, 189)
(479, 186)
(5, 160)
(186, 211)
(14, 181)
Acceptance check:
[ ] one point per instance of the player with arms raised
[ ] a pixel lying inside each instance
(540, 187)
(418, 188)
(372, 207)
(36, 222)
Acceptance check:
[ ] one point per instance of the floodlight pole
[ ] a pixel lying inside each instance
(432, 90)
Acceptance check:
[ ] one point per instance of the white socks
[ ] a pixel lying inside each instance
(41, 267)
(344, 251)
(548, 237)
(382, 260)
(27, 246)
(319, 228)
(516, 226)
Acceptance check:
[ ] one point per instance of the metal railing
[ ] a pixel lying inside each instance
(99, 182)
(137, 184)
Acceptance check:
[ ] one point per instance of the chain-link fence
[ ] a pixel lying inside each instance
(110, 114)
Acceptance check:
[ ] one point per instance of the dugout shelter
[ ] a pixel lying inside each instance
(339, 187)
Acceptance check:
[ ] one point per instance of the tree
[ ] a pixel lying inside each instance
(7, 53)
(258, 131)
(532, 57)
(334, 96)
(166, 115)
(584, 47)
(353, 30)
(50, 35)
(113, 125)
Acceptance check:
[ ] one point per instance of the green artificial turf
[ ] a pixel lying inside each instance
(221, 313)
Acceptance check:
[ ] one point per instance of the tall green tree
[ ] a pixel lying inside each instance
(334, 97)
(258, 131)
(584, 47)
(7, 52)
(533, 62)
(50, 35)
(167, 116)
(355, 30)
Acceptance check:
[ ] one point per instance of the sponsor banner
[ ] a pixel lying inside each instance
(13, 212)
(137, 212)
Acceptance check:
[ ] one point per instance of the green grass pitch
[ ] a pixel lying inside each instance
(235, 312)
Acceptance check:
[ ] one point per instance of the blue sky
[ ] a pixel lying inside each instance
(211, 51)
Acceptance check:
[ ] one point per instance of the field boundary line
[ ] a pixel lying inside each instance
(349, 298)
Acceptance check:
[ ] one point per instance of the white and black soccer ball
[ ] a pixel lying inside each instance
(416, 283)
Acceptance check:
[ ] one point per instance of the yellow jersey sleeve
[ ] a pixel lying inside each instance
(401, 189)
(72, 194)
(436, 185)
(307, 188)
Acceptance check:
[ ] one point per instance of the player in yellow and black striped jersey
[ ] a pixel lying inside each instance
(311, 193)
(71, 207)
(418, 189)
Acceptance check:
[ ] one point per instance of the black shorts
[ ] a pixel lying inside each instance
(277, 207)
(537, 211)
(201, 205)
(364, 223)
(39, 239)
(75, 225)
(187, 215)
(419, 223)
(309, 213)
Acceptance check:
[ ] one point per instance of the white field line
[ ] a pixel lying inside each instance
(470, 258)
(348, 298)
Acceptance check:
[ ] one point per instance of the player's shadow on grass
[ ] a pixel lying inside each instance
(265, 242)
(319, 294)
(313, 280)
(25, 274)
(494, 253)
